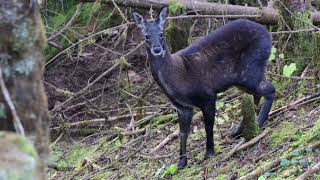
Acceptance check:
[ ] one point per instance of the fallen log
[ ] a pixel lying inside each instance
(265, 15)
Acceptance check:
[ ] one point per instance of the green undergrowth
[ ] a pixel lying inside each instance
(93, 17)
(284, 132)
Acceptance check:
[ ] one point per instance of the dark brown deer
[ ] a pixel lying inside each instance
(234, 55)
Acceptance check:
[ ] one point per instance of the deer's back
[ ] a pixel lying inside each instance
(217, 60)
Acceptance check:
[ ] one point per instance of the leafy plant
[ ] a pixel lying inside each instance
(289, 70)
(273, 54)
(171, 170)
(219, 105)
(175, 7)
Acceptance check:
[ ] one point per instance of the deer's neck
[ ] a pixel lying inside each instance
(161, 64)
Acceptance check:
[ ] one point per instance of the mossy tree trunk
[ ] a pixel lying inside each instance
(22, 41)
(177, 31)
(249, 127)
(299, 47)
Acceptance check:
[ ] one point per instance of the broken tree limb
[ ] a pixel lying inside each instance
(169, 138)
(299, 102)
(242, 146)
(266, 15)
(310, 172)
(197, 117)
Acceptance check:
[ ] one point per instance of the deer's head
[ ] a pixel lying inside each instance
(153, 31)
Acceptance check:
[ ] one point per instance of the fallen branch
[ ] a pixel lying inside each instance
(15, 118)
(295, 104)
(310, 172)
(169, 138)
(233, 151)
(197, 117)
(260, 170)
(242, 146)
(265, 15)
(134, 132)
(268, 166)
(94, 121)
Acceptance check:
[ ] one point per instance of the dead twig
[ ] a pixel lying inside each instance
(94, 121)
(242, 146)
(16, 120)
(234, 150)
(197, 117)
(169, 138)
(130, 133)
(106, 73)
(291, 77)
(68, 24)
(295, 104)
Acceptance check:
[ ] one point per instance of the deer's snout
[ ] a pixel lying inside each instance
(157, 50)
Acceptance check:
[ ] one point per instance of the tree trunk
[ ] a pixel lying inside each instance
(21, 44)
(249, 126)
(300, 47)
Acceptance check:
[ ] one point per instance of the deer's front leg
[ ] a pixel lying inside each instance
(185, 117)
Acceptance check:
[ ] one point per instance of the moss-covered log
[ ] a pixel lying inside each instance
(21, 44)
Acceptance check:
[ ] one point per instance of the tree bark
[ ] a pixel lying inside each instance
(265, 15)
(22, 41)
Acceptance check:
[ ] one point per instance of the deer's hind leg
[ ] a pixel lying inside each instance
(265, 89)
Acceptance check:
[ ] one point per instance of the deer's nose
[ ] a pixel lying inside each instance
(157, 49)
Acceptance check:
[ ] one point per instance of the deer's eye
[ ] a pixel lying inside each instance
(147, 36)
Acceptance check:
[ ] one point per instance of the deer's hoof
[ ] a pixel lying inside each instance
(182, 162)
(208, 155)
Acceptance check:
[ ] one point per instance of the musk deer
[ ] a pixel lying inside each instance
(234, 55)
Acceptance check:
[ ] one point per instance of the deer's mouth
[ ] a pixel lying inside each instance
(158, 52)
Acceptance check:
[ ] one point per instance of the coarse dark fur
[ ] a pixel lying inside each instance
(234, 55)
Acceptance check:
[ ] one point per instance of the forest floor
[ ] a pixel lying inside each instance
(109, 130)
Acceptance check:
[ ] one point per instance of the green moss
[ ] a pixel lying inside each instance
(164, 118)
(76, 155)
(249, 126)
(25, 146)
(93, 17)
(312, 135)
(2, 111)
(284, 132)
(176, 8)
(222, 177)
(189, 173)
(102, 176)
(176, 37)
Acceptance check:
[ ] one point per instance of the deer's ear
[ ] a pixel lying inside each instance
(138, 19)
(161, 20)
